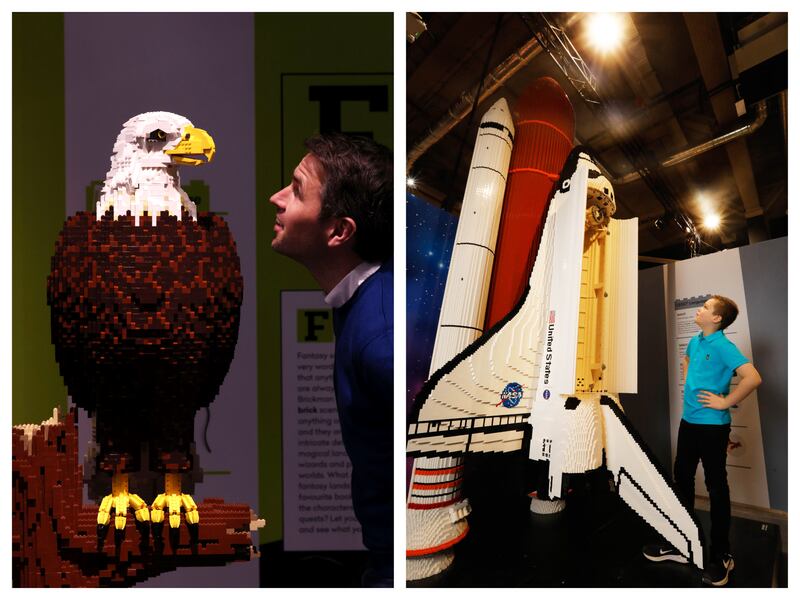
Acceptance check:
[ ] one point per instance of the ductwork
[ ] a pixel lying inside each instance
(456, 113)
(683, 156)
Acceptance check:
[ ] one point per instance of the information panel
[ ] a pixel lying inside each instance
(318, 511)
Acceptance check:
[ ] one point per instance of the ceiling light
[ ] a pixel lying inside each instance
(605, 31)
(711, 221)
(411, 182)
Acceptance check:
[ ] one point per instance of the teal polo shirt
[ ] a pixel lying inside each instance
(713, 361)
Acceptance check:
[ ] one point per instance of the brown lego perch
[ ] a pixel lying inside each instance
(55, 540)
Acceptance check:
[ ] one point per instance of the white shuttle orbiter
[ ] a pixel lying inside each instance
(546, 378)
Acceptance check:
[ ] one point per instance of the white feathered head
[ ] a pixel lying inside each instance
(144, 166)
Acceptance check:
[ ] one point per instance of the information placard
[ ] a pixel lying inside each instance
(318, 510)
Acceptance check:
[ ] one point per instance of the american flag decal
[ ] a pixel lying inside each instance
(552, 317)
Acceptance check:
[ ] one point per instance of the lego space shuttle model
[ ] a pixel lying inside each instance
(434, 495)
(545, 379)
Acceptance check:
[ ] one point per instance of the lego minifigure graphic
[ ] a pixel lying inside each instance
(145, 298)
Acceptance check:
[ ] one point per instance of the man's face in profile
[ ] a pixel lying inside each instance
(299, 232)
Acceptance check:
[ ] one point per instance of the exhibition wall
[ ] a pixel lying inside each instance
(765, 269)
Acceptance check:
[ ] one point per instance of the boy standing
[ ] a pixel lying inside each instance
(710, 362)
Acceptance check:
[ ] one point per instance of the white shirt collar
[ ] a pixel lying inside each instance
(345, 289)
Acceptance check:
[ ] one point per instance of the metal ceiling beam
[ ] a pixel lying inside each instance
(556, 42)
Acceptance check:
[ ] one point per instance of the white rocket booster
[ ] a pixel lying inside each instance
(464, 303)
(436, 514)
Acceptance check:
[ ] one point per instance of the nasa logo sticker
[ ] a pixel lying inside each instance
(511, 395)
(546, 394)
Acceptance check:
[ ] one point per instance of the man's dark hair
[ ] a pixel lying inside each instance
(725, 308)
(358, 184)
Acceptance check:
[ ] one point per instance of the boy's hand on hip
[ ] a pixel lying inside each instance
(710, 400)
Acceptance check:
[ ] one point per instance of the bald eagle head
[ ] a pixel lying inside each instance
(144, 166)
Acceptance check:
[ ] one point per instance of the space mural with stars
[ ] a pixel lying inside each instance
(430, 235)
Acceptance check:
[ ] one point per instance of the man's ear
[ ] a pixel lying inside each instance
(342, 232)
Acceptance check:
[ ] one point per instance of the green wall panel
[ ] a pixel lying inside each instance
(38, 212)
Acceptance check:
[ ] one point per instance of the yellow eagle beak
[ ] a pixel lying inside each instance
(195, 148)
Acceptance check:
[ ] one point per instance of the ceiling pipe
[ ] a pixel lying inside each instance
(683, 156)
(490, 84)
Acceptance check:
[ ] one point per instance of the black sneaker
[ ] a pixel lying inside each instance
(659, 552)
(718, 571)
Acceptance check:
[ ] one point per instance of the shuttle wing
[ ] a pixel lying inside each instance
(643, 487)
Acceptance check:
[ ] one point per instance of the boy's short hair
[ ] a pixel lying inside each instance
(725, 308)
(358, 184)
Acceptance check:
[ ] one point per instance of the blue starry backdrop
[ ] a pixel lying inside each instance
(430, 234)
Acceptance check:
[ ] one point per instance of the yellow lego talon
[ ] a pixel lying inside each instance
(103, 516)
(142, 514)
(172, 501)
(120, 500)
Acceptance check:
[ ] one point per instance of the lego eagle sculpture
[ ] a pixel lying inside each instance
(145, 297)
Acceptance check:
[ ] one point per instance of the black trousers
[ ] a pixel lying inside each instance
(707, 443)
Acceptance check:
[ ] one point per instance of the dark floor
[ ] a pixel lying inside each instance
(310, 569)
(595, 542)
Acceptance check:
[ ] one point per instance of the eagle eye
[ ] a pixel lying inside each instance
(157, 136)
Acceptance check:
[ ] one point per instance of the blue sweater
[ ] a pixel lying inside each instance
(363, 372)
